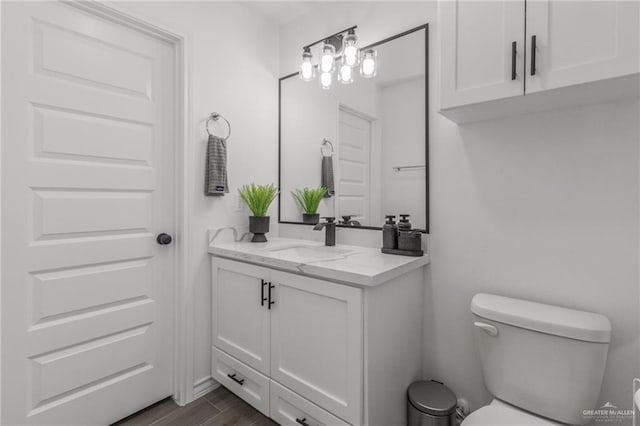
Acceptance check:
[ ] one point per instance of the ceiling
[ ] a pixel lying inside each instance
(283, 12)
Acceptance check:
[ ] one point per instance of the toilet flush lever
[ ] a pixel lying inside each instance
(491, 330)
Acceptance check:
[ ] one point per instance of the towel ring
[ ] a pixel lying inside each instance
(326, 142)
(215, 117)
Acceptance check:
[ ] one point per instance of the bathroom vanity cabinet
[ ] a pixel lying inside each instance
(307, 350)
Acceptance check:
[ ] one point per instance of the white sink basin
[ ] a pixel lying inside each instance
(311, 253)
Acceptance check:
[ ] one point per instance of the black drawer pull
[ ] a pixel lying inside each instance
(235, 379)
(262, 298)
(533, 55)
(302, 421)
(514, 51)
(271, 302)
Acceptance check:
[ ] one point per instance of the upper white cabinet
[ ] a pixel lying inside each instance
(579, 42)
(482, 53)
(506, 57)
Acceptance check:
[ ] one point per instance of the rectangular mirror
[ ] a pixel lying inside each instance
(374, 132)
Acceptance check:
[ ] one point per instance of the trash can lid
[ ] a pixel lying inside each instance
(432, 397)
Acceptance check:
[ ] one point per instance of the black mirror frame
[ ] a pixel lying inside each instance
(424, 27)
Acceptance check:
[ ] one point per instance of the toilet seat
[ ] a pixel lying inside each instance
(500, 414)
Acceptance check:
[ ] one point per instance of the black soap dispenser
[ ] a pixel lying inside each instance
(404, 224)
(390, 233)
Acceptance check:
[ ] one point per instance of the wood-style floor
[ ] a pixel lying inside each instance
(219, 407)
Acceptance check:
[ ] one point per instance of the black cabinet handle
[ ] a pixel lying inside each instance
(533, 55)
(235, 379)
(262, 298)
(271, 302)
(302, 421)
(514, 51)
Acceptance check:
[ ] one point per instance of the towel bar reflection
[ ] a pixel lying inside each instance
(215, 116)
(407, 168)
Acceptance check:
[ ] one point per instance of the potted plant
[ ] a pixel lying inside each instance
(258, 199)
(309, 200)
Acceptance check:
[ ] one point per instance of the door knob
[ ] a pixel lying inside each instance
(164, 239)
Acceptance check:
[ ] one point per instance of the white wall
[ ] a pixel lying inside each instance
(543, 207)
(234, 70)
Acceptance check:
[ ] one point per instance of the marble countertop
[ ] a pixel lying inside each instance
(360, 266)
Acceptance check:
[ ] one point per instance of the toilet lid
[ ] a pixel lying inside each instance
(500, 415)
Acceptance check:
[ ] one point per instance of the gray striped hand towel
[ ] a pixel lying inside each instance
(327, 176)
(215, 173)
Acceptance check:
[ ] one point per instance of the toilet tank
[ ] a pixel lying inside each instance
(544, 359)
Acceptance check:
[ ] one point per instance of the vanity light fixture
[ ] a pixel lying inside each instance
(340, 47)
(368, 64)
(307, 69)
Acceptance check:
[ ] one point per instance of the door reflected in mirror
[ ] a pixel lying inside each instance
(366, 142)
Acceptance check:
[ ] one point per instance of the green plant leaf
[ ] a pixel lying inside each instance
(258, 197)
(309, 198)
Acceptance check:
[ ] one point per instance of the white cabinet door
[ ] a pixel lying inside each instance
(316, 342)
(476, 42)
(580, 41)
(240, 316)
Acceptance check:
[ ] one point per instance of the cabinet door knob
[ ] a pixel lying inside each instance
(533, 55)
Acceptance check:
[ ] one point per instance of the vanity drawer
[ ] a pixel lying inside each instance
(240, 379)
(288, 408)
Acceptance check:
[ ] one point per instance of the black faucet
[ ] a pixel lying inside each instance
(330, 231)
(346, 220)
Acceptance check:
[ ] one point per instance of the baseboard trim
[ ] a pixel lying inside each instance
(204, 386)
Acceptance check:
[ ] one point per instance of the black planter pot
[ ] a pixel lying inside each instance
(258, 226)
(311, 219)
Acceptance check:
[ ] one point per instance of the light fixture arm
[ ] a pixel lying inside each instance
(308, 46)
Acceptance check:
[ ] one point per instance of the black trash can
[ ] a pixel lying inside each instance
(430, 403)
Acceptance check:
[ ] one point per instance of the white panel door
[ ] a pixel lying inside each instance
(353, 196)
(477, 39)
(240, 311)
(87, 107)
(580, 41)
(316, 342)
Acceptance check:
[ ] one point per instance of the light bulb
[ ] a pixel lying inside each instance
(345, 76)
(349, 49)
(325, 80)
(307, 70)
(368, 64)
(351, 55)
(326, 59)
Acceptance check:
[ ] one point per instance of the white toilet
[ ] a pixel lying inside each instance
(543, 364)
